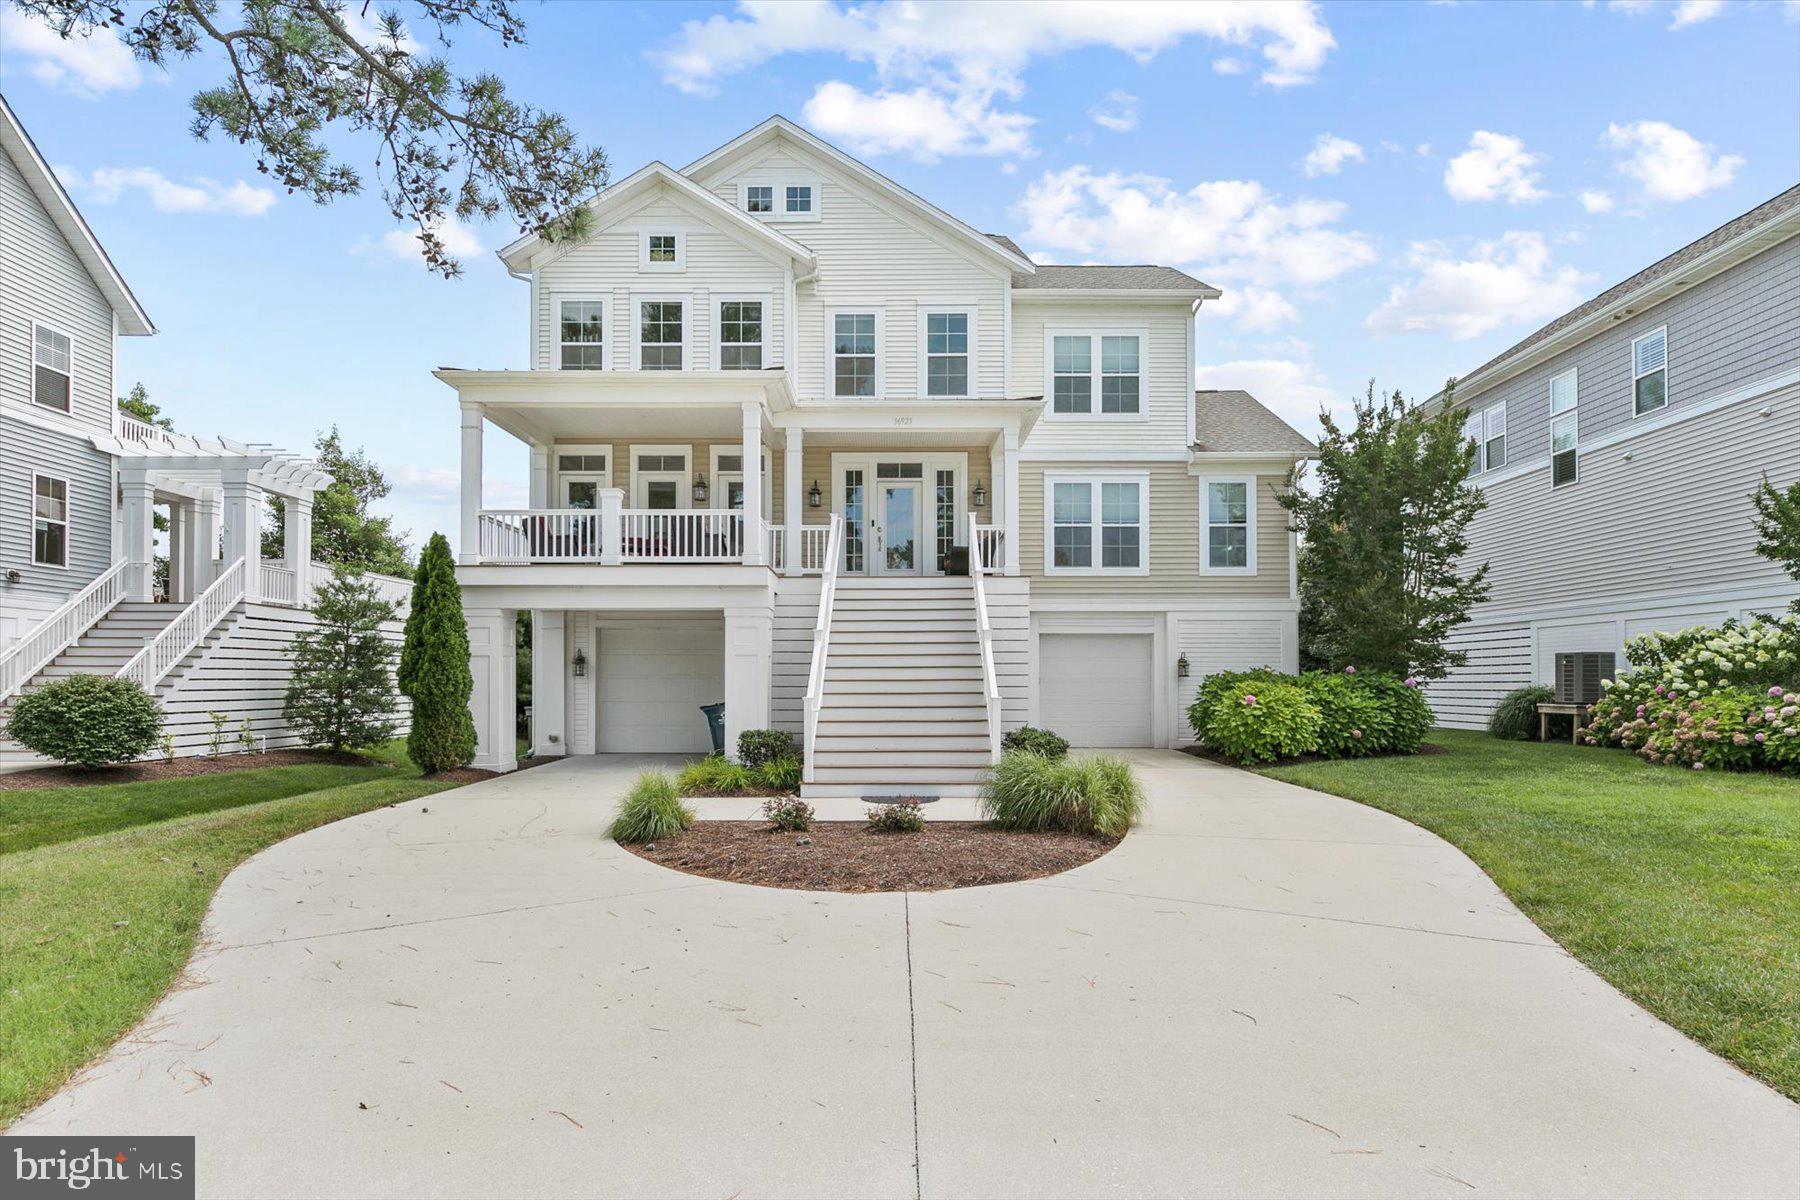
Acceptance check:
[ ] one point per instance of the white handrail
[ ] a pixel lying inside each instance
(815, 679)
(160, 655)
(58, 631)
(985, 633)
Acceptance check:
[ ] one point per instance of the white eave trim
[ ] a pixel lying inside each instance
(1186, 295)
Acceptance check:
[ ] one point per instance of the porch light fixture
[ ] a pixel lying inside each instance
(814, 497)
(979, 499)
(700, 489)
(579, 665)
(1181, 667)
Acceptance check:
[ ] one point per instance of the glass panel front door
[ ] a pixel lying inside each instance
(897, 527)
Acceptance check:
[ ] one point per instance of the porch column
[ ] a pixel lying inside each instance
(139, 514)
(468, 548)
(753, 488)
(296, 545)
(549, 669)
(181, 532)
(204, 544)
(493, 663)
(997, 489)
(793, 507)
(612, 533)
(1011, 523)
(242, 521)
(749, 641)
(540, 475)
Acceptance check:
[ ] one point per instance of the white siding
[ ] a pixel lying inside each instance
(1228, 643)
(1163, 359)
(1499, 661)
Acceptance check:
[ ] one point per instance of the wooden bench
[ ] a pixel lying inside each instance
(1573, 711)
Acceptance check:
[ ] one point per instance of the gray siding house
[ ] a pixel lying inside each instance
(1618, 447)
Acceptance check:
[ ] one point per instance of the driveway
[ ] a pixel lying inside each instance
(1263, 991)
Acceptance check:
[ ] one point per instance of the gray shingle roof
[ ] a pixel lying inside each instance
(1124, 278)
(1232, 421)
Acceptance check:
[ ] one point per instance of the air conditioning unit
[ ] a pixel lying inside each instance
(1578, 676)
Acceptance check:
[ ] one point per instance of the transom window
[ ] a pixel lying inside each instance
(1083, 365)
(1565, 429)
(50, 521)
(911, 470)
(581, 334)
(588, 463)
(853, 354)
(1097, 525)
(741, 335)
(660, 334)
(947, 354)
(665, 462)
(53, 373)
(1486, 431)
(1227, 522)
(1650, 372)
(759, 198)
(799, 198)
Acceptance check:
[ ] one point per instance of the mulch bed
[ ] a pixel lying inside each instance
(181, 768)
(848, 856)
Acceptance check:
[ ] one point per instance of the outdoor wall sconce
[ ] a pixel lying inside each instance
(979, 500)
(1181, 667)
(814, 497)
(13, 576)
(580, 664)
(700, 490)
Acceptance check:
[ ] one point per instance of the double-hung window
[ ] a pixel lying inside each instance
(1564, 429)
(661, 334)
(581, 334)
(50, 521)
(53, 372)
(1650, 372)
(854, 352)
(947, 354)
(1228, 525)
(1084, 366)
(1098, 525)
(759, 198)
(1072, 374)
(1119, 375)
(799, 198)
(1486, 431)
(740, 335)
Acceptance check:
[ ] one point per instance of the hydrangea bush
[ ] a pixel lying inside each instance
(1262, 715)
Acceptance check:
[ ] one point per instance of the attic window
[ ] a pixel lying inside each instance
(662, 252)
(799, 198)
(759, 198)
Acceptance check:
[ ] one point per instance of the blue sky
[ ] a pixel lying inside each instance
(1384, 191)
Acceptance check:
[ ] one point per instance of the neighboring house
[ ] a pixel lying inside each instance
(1618, 447)
(80, 483)
(774, 399)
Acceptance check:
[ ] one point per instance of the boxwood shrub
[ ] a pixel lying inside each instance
(88, 720)
(758, 746)
(1035, 741)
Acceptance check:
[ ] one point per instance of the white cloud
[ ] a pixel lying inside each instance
(924, 123)
(1254, 309)
(87, 66)
(107, 185)
(1237, 66)
(1496, 166)
(1508, 280)
(430, 485)
(1295, 391)
(1668, 163)
(1596, 201)
(458, 239)
(370, 31)
(1692, 12)
(1329, 153)
(1118, 112)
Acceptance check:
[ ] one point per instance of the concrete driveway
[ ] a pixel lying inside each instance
(1264, 991)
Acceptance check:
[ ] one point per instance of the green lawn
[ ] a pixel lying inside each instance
(1681, 887)
(94, 926)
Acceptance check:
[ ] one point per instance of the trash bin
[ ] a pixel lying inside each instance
(715, 721)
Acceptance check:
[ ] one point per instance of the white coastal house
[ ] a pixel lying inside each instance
(81, 483)
(1618, 447)
(775, 402)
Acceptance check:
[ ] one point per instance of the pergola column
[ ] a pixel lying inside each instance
(792, 511)
(138, 515)
(296, 545)
(181, 532)
(203, 544)
(242, 524)
(753, 488)
(468, 548)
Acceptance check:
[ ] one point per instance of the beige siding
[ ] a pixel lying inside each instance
(700, 451)
(1164, 364)
(816, 461)
(1174, 539)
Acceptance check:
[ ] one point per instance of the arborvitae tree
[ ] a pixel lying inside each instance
(1383, 538)
(434, 665)
(341, 694)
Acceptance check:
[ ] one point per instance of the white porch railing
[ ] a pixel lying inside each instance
(991, 541)
(682, 535)
(815, 548)
(280, 583)
(775, 546)
(990, 683)
(815, 679)
(160, 655)
(133, 430)
(584, 535)
(58, 631)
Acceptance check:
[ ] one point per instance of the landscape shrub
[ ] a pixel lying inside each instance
(1256, 721)
(1217, 684)
(651, 810)
(789, 813)
(1263, 715)
(1027, 792)
(904, 816)
(714, 775)
(1350, 715)
(1515, 718)
(758, 746)
(88, 720)
(1035, 741)
(779, 775)
(1403, 716)
(434, 665)
(340, 692)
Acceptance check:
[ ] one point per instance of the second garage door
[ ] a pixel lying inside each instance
(652, 681)
(1096, 688)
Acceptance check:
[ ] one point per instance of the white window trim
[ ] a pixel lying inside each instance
(684, 495)
(31, 370)
(778, 187)
(720, 300)
(1668, 356)
(67, 521)
(605, 301)
(1094, 479)
(831, 316)
(744, 200)
(557, 475)
(1094, 333)
(1479, 418)
(662, 268)
(929, 465)
(781, 209)
(715, 488)
(973, 313)
(638, 299)
(1250, 525)
(1573, 412)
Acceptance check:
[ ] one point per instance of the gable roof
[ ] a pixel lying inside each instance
(517, 255)
(1231, 421)
(1092, 277)
(779, 127)
(69, 222)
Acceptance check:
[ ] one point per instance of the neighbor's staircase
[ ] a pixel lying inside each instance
(903, 709)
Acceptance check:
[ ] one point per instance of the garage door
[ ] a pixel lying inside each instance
(652, 681)
(1095, 688)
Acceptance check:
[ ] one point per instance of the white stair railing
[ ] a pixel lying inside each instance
(160, 655)
(775, 546)
(992, 542)
(990, 682)
(62, 628)
(815, 679)
(280, 582)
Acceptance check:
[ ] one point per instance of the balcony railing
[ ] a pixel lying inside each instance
(635, 535)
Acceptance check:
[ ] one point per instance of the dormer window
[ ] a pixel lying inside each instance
(799, 198)
(662, 252)
(759, 198)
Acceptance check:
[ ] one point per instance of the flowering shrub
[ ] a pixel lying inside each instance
(1348, 714)
(1262, 715)
(1403, 717)
(1259, 721)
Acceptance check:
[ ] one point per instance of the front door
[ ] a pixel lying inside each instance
(582, 491)
(897, 549)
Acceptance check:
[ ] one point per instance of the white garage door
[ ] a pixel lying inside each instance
(1096, 688)
(653, 680)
